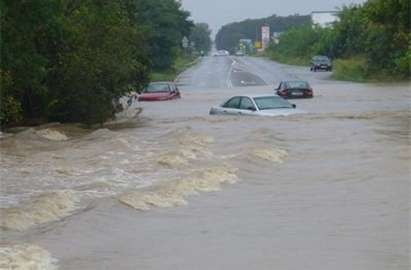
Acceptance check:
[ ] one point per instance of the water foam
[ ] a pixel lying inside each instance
(271, 154)
(172, 160)
(185, 136)
(191, 146)
(42, 209)
(26, 257)
(52, 135)
(174, 193)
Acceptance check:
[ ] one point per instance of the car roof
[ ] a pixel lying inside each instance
(294, 81)
(254, 96)
(250, 96)
(161, 82)
(320, 57)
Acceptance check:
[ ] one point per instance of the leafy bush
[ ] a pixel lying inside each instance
(353, 69)
(10, 108)
(68, 60)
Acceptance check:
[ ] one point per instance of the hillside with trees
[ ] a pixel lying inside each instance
(229, 35)
(66, 61)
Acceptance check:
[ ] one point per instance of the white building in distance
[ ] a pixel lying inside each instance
(324, 18)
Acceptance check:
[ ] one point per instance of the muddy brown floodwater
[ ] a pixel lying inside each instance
(179, 189)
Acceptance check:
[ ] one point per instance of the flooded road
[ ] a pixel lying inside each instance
(179, 189)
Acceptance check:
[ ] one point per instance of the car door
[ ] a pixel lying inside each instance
(247, 106)
(232, 106)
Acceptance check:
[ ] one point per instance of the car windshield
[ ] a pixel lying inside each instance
(268, 103)
(157, 87)
(297, 85)
(321, 59)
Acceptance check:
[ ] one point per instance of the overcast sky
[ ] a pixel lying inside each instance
(219, 12)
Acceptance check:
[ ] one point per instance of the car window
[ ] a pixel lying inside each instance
(320, 59)
(246, 104)
(297, 85)
(272, 102)
(157, 87)
(233, 103)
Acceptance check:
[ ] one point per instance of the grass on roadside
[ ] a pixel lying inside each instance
(182, 63)
(353, 69)
(289, 60)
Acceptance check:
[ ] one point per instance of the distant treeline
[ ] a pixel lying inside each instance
(229, 35)
(370, 41)
(68, 60)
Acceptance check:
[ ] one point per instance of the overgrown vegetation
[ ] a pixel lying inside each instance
(183, 62)
(67, 60)
(229, 35)
(352, 69)
(369, 42)
(298, 44)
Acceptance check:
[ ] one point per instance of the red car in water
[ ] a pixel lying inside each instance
(159, 91)
(295, 89)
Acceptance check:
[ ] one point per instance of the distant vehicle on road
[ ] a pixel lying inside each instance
(239, 53)
(295, 89)
(255, 105)
(320, 62)
(159, 91)
(221, 53)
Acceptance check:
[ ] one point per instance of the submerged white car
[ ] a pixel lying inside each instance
(256, 105)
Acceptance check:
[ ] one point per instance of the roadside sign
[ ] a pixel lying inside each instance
(184, 42)
(265, 36)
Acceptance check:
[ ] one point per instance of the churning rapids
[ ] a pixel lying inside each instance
(179, 189)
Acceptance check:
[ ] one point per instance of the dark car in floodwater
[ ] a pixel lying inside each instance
(160, 91)
(295, 89)
(320, 62)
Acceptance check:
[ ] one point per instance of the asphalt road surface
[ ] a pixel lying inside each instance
(221, 72)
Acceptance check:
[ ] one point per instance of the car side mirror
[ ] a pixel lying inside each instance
(294, 106)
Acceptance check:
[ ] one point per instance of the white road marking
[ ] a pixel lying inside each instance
(230, 70)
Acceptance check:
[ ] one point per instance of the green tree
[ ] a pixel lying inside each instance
(167, 24)
(104, 55)
(201, 36)
(27, 30)
(67, 60)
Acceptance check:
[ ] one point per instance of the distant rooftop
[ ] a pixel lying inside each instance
(324, 18)
(329, 11)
